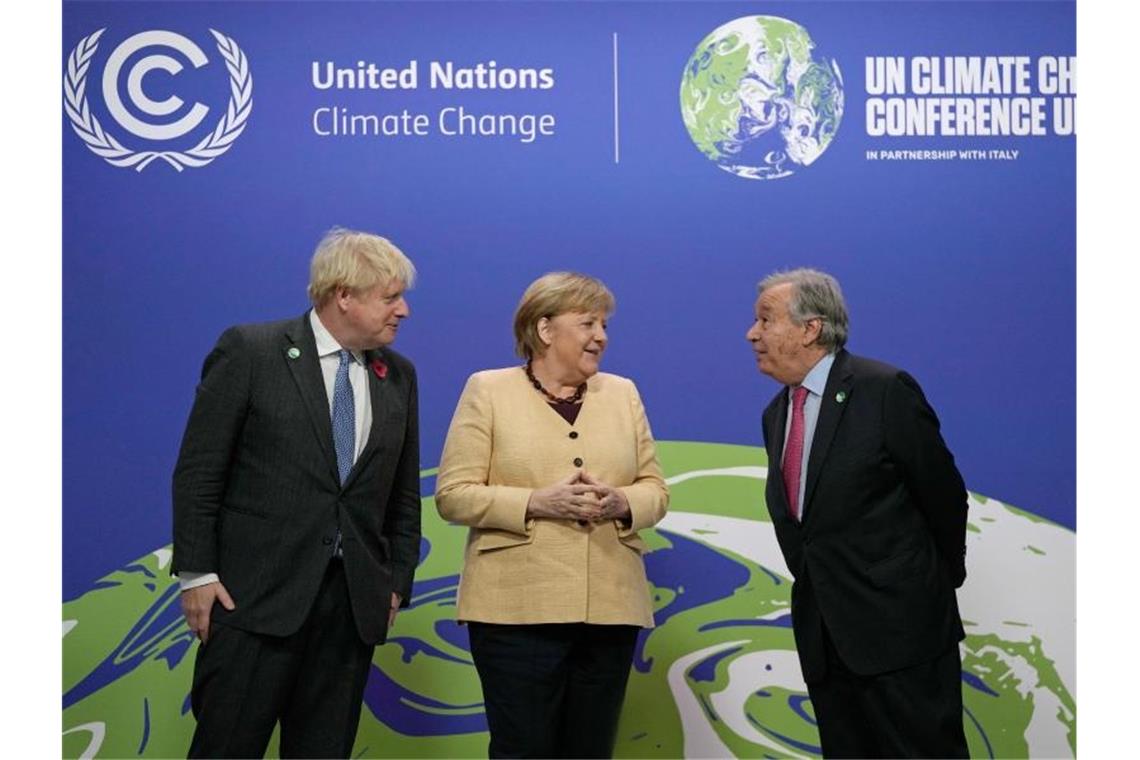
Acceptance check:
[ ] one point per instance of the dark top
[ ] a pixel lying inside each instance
(568, 411)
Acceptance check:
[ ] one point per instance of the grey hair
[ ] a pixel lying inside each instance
(815, 295)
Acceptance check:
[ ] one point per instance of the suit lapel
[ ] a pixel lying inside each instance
(305, 367)
(386, 405)
(831, 410)
(778, 421)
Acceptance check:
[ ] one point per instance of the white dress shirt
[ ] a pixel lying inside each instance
(328, 351)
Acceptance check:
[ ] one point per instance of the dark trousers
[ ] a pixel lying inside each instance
(311, 681)
(552, 690)
(913, 712)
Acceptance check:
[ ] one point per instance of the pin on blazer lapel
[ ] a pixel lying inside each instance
(831, 411)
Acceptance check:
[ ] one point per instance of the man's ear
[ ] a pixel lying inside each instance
(812, 329)
(341, 297)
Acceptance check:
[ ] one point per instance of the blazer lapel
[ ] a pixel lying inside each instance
(386, 405)
(305, 367)
(779, 420)
(831, 409)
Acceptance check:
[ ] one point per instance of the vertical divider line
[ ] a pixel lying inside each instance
(617, 131)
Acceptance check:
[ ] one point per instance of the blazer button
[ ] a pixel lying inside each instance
(573, 433)
(326, 540)
(577, 461)
(583, 523)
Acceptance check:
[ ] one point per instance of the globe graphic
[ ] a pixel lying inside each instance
(757, 102)
(717, 677)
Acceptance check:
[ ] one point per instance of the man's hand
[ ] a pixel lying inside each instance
(612, 503)
(396, 601)
(568, 499)
(197, 603)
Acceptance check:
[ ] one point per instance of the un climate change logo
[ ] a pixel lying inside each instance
(757, 102)
(166, 120)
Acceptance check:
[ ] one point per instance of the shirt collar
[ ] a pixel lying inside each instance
(326, 343)
(816, 380)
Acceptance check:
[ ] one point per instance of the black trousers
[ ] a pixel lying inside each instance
(311, 681)
(913, 712)
(552, 690)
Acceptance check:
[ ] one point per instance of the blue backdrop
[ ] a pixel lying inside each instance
(960, 271)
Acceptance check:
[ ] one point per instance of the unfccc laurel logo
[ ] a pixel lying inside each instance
(102, 143)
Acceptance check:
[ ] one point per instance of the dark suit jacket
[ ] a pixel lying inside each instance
(882, 545)
(257, 497)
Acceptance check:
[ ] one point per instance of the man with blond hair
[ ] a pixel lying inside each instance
(297, 509)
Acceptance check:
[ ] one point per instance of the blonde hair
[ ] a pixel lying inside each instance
(357, 261)
(553, 294)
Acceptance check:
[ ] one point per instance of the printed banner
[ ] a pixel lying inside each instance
(923, 153)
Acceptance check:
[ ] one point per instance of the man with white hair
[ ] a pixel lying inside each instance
(870, 513)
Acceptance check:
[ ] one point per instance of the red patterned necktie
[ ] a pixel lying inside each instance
(794, 452)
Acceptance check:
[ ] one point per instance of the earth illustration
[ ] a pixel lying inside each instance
(717, 677)
(757, 101)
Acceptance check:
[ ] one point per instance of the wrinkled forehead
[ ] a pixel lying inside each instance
(775, 300)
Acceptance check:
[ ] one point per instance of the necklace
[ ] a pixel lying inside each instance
(574, 399)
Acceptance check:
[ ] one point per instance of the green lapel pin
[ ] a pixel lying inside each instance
(840, 397)
(293, 352)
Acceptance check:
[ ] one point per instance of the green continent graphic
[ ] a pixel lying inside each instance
(717, 677)
(708, 103)
(756, 102)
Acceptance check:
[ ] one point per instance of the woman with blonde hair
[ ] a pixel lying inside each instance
(553, 467)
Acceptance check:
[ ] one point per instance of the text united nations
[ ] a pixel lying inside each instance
(457, 120)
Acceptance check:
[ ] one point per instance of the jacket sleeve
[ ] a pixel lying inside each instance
(915, 443)
(402, 516)
(221, 404)
(463, 494)
(648, 495)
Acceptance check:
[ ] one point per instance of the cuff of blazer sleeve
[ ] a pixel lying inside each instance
(642, 511)
(187, 581)
(402, 585)
(509, 511)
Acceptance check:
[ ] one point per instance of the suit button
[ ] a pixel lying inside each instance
(326, 540)
(583, 523)
(577, 461)
(573, 433)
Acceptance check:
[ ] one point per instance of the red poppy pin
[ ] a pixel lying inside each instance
(379, 368)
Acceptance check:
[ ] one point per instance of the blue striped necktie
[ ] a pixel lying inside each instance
(344, 417)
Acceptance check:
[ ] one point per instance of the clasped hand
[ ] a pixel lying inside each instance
(579, 496)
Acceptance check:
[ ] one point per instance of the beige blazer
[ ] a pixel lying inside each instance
(504, 442)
